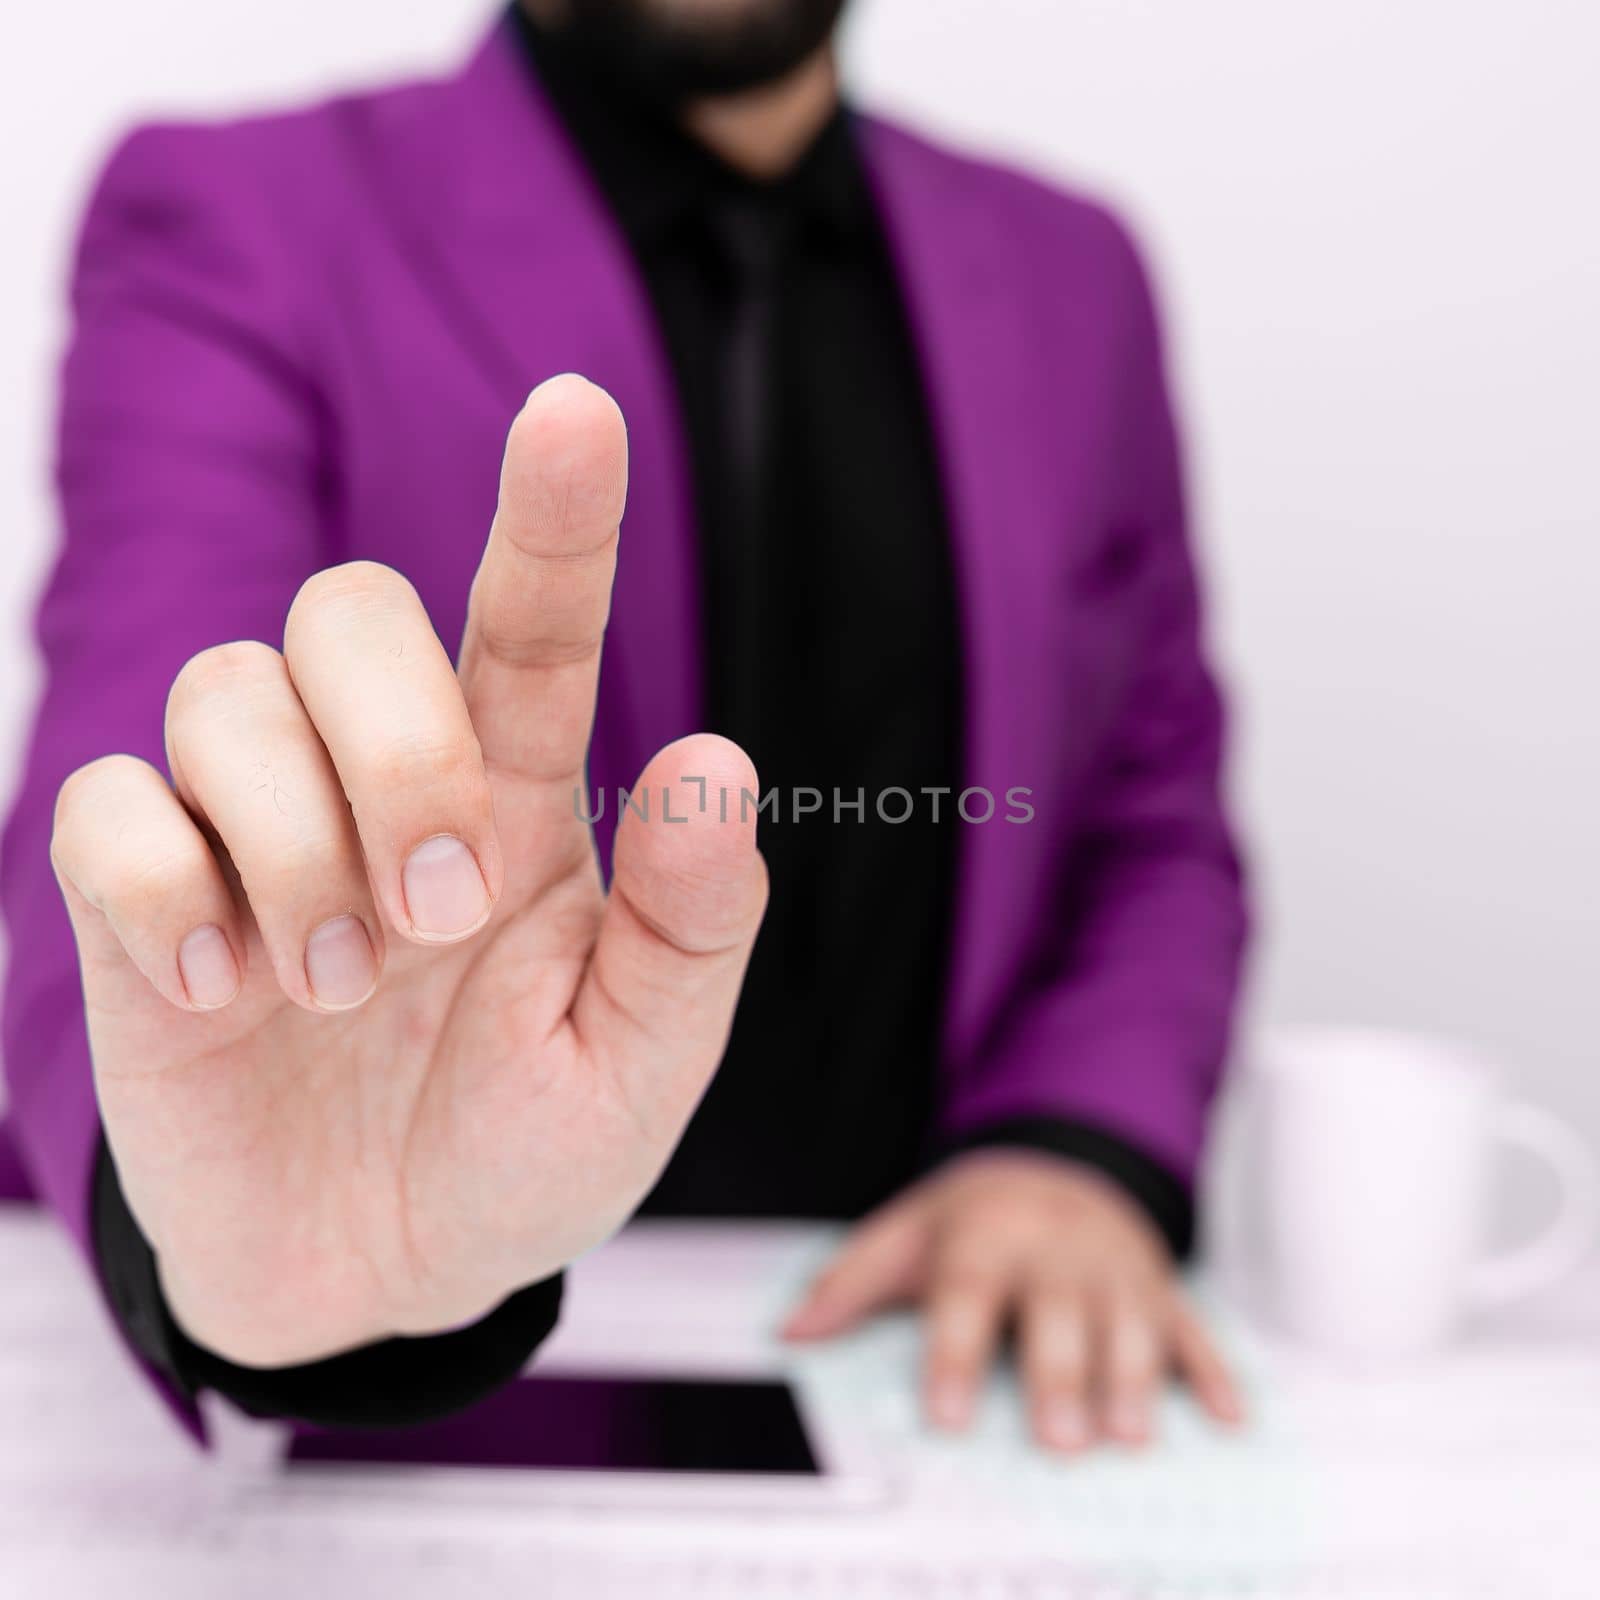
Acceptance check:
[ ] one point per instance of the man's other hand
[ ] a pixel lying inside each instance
(1000, 1240)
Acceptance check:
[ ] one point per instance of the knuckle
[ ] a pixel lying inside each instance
(503, 627)
(83, 790)
(86, 822)
(1056, 1352)
(311, 860)
(951, 1361)
(959, 1329)
(965, 1259)
(1134, 1362)
(221, 672)
(1067, 1372)
(420, 762)
(833, 1280)
(988, 1216)
(337, 592)
(140, 889)
(1056, 1380)
(1203, 1352)
(969, 1281)
(1059, 1360)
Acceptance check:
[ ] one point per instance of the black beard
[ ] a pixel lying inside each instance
(671, 60)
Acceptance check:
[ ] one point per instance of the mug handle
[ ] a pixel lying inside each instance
(1550, 1255)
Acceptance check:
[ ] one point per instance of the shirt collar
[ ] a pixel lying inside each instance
(654, 174)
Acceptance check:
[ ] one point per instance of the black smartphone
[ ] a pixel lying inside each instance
(596, 1423)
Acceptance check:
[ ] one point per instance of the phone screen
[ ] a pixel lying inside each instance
(595, 1423)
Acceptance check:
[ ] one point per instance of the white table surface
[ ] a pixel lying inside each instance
(1475, 1475)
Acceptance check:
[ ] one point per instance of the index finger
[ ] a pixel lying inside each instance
(880, 1264)
(530, 657)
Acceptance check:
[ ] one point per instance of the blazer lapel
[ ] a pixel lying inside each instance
(529, 263)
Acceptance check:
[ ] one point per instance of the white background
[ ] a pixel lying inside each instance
(1376, 227)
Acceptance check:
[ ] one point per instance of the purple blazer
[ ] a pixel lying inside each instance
(299, 339)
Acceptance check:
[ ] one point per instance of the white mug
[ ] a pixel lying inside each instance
(1367, 1166)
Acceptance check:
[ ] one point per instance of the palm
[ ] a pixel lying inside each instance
(499, 1104)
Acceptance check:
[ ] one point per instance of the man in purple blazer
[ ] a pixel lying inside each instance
(387, 1004)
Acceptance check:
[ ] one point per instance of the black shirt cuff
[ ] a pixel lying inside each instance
(388, 1384)
(1159, 1193)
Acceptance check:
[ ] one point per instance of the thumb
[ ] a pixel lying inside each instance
(880, 1265)
(687, 893)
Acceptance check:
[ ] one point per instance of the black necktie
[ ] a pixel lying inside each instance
(753, 237)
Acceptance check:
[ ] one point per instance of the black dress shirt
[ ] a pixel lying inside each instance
(833, 656)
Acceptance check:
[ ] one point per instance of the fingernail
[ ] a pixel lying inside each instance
(444, 890)
(950, 1404)
(1064, 1426)
(340, 966)
(206, 965)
